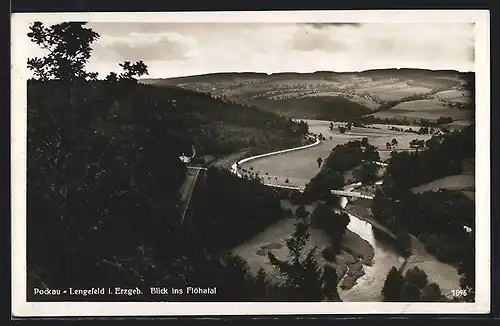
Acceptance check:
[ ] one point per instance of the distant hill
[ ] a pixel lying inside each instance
(307, 94)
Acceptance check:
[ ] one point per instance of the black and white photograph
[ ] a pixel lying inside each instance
(262, 162)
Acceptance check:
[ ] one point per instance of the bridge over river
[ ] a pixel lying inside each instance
(354, 194)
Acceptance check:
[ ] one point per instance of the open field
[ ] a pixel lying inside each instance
(393, 91)
(436, 105)
(454, 95)
(430, 109)
(300, 166)
(461, 182)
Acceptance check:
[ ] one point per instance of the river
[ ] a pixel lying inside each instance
(369, 286)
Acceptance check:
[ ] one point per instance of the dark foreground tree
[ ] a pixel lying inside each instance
(410, 293)
(330, 283)
(132, 71)
(261, 285)
(432, 293)
(301, 212)
(68, 47)
(416, 276)
(367, 173)
(332, 223)
(393, 285)
(304, 279)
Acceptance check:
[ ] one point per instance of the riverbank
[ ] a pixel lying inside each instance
(355, 254)
(438, 272)
(361, 208)
(361, 253)
(358, 282)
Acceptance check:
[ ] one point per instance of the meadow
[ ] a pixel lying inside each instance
(461, 182)
(389, 91)
(300, 166)
(430, 109)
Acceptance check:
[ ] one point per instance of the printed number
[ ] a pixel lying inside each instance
(459, 293)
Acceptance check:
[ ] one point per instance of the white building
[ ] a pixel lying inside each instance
(184, 158)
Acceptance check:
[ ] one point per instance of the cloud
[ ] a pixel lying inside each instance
(145, 46)
(309, 38)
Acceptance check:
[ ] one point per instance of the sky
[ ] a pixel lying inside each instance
(182, 49)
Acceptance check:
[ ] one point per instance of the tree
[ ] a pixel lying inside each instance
(332, 223)
(432, 293)
(367, 172)
(301, 212)
(416, 276)
(394, 142)
(261, 284)
(410, 293)
(444, 120)
(393, 285)
(388, 145)
(403, 243)
(364, 142)
(371, 153)
(234, 279)
(133, 71)
(68, 47)
(311, 282)
(296, 198)
(331, 279)
(112, 77)
(319, 160)
(304, 279)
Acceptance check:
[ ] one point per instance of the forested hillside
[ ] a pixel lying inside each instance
(103, 176)
(318, 107)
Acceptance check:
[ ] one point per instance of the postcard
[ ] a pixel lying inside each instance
(250, 163)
